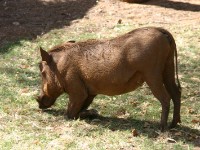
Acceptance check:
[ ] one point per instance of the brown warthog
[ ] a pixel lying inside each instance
(112, 67)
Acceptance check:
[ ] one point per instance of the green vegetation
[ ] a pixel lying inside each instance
(23, 126)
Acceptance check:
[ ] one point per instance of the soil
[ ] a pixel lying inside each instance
(28, 19)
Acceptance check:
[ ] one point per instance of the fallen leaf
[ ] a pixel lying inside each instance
(170, 140)
(16, 23)
(195, 121)
(191, 111)
(122, 113)
(190, 138)
(134, 132)
(94, 121)
(24, 66)
(24, 90)
(193, 136)
(119, 21)
(178, 133)
(134, 103)
(195, 79)
(174, 130)
(36, 142)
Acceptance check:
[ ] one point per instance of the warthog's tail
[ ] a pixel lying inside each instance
(170, 73)
(176, 63)
(173, 45)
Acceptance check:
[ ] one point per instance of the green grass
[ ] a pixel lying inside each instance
(24, 126)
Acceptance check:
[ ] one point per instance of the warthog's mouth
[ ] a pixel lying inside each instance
(45, 102)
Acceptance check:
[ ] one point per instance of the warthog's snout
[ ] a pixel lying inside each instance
(45, 101)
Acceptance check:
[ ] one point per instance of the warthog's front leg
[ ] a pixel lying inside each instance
(79, 109)
(74, 106)
(77, 97)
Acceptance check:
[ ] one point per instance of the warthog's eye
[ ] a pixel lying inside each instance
(42, 70)
(43, 73)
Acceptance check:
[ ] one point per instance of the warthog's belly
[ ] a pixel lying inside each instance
(117, 87)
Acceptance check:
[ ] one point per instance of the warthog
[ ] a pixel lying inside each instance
(112, 67)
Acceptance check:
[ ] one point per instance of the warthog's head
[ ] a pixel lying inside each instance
(51, 88)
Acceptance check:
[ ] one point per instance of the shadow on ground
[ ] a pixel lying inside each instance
(185, 6)
(144, 127)
(26, 19)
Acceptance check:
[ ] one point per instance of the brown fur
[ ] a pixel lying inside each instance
(112, 67)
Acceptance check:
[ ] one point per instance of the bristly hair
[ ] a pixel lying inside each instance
(62, 47)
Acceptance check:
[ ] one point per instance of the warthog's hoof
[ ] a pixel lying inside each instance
(175, 122)
(164, 128)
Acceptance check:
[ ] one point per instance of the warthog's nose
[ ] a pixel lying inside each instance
(44, 101)
(40, 99)
(42, 106)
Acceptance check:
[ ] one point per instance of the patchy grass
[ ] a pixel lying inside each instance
(24, 126)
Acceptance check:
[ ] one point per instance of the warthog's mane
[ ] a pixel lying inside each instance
(87, 43)
(70, 45)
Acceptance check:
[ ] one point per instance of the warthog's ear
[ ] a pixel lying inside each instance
(45, 55)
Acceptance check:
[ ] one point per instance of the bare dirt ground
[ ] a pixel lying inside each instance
(27, 19)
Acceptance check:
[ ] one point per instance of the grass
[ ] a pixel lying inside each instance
(23, 126)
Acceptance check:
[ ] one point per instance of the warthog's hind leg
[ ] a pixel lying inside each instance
(155, 83)
(173, 90)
